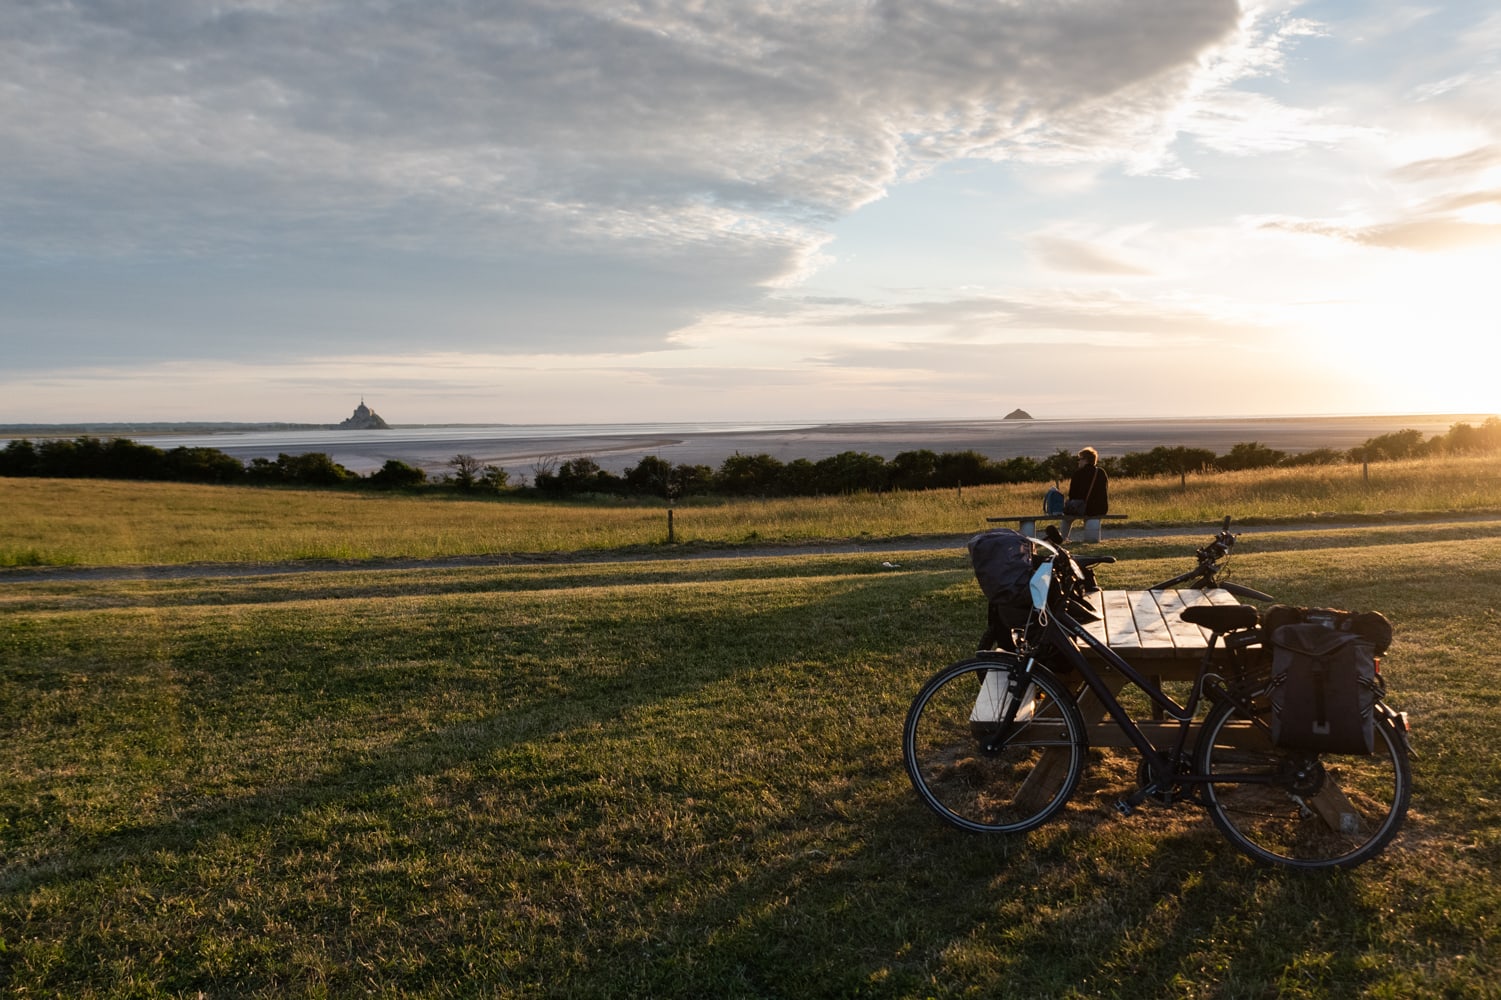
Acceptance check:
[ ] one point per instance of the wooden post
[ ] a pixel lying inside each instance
(669, 525)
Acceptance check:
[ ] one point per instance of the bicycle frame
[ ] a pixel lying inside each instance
(996, 743)
(1061, 629)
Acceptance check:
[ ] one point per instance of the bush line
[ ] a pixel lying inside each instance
(758, 475)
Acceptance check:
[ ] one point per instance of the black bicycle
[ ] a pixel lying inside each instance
(1213, 559)
(997, 743)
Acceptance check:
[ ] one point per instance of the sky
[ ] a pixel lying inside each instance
(598, 211)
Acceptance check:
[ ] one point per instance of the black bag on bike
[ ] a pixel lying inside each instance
(1324, 689)
(1002, 560)
(1003, 564)
(1371, 626)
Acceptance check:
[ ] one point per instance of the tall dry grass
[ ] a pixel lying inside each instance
(94, 522)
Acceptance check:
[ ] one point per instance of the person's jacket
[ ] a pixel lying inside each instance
(1091, 485)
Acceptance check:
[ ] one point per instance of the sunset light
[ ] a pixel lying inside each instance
(748, 211)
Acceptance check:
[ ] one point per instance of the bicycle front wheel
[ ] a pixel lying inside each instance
(980, 773)
(1298, 809)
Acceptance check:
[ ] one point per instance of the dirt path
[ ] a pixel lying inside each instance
(930, 543)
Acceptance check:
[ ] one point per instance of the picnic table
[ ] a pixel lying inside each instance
(1144, 628)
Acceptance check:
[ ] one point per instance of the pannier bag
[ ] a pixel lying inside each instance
(1371, 626)
(1002, 560)
(1324, 689)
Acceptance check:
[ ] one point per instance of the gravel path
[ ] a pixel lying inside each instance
(208, 571)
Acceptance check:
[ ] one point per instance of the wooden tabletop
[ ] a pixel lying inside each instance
(1143, 625)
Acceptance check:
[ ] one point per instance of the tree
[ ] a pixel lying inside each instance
(1250, 455)
(799, 478)
(1394, 446)
(313, 468)
(851, 472)
(466, 471)
(494, 478)
(584, 475)
(199, 465)
(652, 476)
(914, 470)
(1464, 439)
(19, 458)
(1061, 464)
(1318, 456)
(397, 475)
(691, 480)
(1022, 469)
(749, 475)
(544, 473)
(961, 468)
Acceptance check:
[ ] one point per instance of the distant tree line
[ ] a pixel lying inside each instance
(739, 475)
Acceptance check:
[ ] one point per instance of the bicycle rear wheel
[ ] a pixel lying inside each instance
(1297, 809)
(974, 771)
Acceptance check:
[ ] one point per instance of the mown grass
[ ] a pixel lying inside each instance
(675, 779)
(89, 522)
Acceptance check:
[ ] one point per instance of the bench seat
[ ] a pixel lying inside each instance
(1027, 523)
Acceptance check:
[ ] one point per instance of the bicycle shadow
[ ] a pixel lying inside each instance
(911, 908)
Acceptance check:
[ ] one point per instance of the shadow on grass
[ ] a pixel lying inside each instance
(901, 906)
(648, 794)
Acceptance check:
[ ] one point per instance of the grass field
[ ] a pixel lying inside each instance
(59, 522)
(668, 778)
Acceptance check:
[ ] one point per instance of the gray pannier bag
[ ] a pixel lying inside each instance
(1324, 689)
(1003, 563)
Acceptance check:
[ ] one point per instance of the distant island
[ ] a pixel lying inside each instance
(364, 419)
(1018, 414)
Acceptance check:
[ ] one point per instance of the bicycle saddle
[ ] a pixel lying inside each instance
(1221, 618)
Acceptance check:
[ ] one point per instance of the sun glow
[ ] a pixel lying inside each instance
(1418, 332)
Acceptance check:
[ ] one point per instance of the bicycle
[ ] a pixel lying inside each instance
(997, 743)
(1205, 576)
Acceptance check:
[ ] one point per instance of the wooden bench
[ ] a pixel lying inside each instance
(1027, 523)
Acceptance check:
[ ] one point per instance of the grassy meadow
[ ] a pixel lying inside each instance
(63, 522)
(656, 777)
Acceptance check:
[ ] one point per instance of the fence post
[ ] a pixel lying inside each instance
(669, 525)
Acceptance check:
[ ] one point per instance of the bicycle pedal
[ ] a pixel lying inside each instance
(1124, 808)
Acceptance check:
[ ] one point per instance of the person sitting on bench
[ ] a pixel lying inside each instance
(1088, 491)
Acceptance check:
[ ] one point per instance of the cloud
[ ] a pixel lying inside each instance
(1449, 169)
(1060, 317)
(1432, 205)
(566, 127)
(249, 178)
(1421, 235)
(1066, 254)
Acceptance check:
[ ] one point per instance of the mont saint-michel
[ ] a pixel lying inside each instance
(363, 419)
